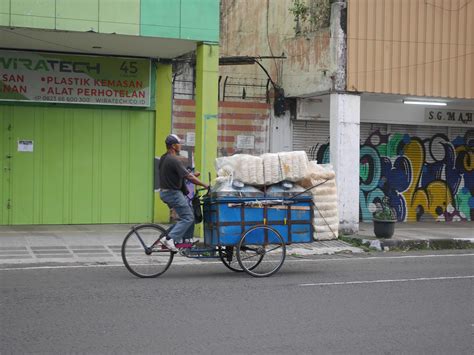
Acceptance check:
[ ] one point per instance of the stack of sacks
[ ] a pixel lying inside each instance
(326, 218)
(291, 166)
(243, 167)
(249, 169)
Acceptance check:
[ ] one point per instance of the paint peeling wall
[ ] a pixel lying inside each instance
(243, 126)
(266, 28)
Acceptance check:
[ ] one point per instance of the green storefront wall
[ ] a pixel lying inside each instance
(93, 164)
(196, 20)
(88, 165)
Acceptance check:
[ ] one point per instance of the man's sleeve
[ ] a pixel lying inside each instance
(180, 169)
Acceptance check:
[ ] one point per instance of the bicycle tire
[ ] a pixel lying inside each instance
(233, 263)
(271, 249)
(142, 252)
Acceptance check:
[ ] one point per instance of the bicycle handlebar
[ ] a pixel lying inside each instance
(204, 189)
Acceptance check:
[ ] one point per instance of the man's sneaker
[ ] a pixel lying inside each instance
(191, 241)
(169, 243)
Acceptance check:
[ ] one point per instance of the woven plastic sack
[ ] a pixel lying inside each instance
(290, 166)
(326, 216)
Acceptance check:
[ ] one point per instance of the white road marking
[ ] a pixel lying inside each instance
(382, 257)
(195, 262)
(387, 281)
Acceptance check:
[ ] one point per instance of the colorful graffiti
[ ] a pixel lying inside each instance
(423, 178)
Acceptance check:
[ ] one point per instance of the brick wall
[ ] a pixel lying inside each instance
(243, 126)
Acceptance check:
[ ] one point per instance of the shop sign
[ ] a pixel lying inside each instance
(457, 117)
(74, 79)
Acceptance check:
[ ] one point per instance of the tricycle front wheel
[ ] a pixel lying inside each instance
(143, 253)
(262, 243)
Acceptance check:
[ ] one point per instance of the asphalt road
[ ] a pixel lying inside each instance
(413, 303)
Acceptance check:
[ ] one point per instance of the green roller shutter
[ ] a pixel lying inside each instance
(87, 165)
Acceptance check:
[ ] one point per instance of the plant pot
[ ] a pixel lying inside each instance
(384, 228)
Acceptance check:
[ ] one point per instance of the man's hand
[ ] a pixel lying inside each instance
(196, 181)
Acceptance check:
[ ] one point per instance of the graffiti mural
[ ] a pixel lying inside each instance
(425, 179)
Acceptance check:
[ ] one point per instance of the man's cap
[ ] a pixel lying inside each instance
(172, 139)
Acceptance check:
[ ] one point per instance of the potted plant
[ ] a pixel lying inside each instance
(384, 220)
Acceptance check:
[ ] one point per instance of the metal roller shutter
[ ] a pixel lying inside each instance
(312, 137)
(415, 178)
(367, 129)
(82, 165)
(462, 139)
(428, 196)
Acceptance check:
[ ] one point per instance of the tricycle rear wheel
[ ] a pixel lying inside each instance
(228, 256)
(262, 243)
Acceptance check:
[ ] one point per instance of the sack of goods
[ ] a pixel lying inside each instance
(326, 216)
(267, 169)
(273, 168)
(243, 167)
(289, 166)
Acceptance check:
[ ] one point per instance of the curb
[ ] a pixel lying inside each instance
(410, 244)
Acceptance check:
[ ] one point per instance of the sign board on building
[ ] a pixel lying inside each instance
(190, 139)
(25, 146)
(457, 117)
(75, 79)
(245, 142)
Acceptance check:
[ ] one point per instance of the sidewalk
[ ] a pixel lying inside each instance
(421, 235)
(100, 244)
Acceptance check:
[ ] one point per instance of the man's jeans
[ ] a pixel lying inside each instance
(185, 226)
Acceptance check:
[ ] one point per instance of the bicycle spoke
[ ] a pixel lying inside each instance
(142, 252)
(272, 257)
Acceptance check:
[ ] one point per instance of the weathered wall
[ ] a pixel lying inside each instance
(267, 27)
(244, 119)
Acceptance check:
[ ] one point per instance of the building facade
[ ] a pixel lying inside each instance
(86, 102)
(349, 69)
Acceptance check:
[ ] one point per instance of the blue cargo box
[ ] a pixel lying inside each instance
(227, 218)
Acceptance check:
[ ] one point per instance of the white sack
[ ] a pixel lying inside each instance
(291, 166)
(243, 167)
(326, 216)
(268, 169)
(333, 220)
(325, 235)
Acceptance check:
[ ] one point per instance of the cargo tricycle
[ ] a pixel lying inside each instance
(248, 234)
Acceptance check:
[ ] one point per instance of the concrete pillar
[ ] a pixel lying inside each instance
(163, 121)
(207, 105)
(344, 147)
(207, 78)
(281, 133)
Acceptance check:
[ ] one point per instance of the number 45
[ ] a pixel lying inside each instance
(129, 67)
